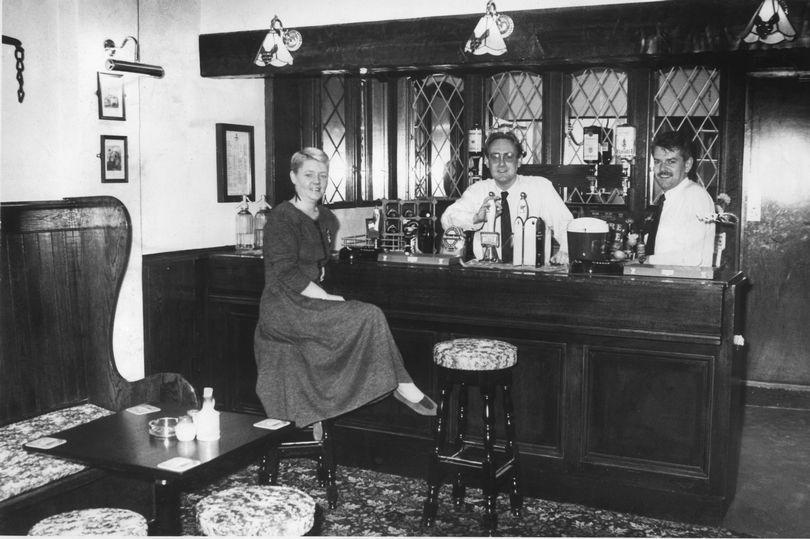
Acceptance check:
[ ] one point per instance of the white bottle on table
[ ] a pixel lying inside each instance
(208, 418)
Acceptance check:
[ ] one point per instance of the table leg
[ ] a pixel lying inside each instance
(166, 495)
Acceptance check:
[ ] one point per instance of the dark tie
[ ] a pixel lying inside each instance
(653, 229)
(506, 228)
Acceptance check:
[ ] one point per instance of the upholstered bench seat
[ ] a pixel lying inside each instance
(475, 354)
(97, 521)
(256, 510)
(22, 471)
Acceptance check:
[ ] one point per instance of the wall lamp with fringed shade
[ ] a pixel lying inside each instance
(490, 32)
(114, 64)
(277, 45)
(769, 24)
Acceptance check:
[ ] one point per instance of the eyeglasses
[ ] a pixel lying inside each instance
(507, 157)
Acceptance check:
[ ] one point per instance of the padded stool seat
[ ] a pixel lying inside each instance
(486, 364)
(98, 521)
(475, 354)
(256, 510)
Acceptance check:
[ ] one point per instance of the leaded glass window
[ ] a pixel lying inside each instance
(373, 143)
(597, 97)
(515, 102)
(435, 137)
(688, 99)
(333, 135)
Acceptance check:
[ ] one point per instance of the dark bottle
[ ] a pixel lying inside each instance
(605, 146)
(469, 235)
(425, 240)
(540, 243)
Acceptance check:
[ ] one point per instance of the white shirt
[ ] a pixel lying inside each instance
(683, 239)
(542, 199)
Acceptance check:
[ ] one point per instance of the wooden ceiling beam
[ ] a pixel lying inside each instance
(649, 33)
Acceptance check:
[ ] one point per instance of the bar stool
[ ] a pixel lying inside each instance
(97, 521)
(487, 364)
(256, 510)
(303, 445)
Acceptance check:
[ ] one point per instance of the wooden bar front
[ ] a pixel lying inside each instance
(627, 389)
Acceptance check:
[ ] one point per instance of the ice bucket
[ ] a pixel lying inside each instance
(587, 238)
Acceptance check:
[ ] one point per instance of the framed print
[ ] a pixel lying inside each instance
(114, 159)
(111, 105)
(235, 175)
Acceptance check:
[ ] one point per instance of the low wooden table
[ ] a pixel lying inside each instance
(121, 443)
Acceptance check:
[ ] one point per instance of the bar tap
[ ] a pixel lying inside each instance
(490, 240)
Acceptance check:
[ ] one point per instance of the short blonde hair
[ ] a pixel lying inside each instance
(308, 154)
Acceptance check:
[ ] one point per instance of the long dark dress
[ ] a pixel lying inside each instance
(316, 359)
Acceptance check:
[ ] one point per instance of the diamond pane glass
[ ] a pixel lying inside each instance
(688, 99)
(374, 140)
(333, 132)
(515, 101)
(598, 97)
(435, 167)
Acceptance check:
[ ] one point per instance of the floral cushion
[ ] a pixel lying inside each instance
(23, 471)
(100, 521)
(256, 510)
(475, 354)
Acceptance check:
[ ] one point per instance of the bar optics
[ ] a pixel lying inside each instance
(277, 45)
(113, 64)
(490, 32)
(769, 24)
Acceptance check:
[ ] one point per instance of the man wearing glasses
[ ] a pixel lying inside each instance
(503, 154)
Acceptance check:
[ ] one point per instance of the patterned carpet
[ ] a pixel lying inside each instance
(377, 504)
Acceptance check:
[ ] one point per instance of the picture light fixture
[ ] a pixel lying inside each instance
(126, 66)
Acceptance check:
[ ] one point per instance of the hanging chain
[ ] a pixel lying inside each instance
(19, 55)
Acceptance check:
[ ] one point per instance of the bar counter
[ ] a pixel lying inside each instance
(627, 389)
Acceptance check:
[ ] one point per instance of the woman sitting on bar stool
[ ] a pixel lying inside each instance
(342, 354)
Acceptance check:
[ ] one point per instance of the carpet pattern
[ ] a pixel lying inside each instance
(376, 504)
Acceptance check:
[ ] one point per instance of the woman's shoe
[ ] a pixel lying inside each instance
(426, 406)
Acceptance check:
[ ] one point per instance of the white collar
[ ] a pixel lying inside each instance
(683, 186)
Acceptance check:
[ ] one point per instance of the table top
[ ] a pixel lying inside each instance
(121, 442)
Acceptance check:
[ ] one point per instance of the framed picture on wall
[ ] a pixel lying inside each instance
(235, 171)
(111, 105)
(114, 159)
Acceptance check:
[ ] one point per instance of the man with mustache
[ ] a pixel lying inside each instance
(683, 237)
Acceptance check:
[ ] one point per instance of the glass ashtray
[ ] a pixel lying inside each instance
(163, 427)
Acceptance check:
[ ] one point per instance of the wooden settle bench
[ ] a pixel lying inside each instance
(62, 264)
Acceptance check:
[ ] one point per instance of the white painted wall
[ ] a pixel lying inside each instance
(48, 144)
(50, 141)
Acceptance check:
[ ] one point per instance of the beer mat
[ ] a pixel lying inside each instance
(502, 266)
(142, 409)
(46, 442)
(271, 423)
(178, 464)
